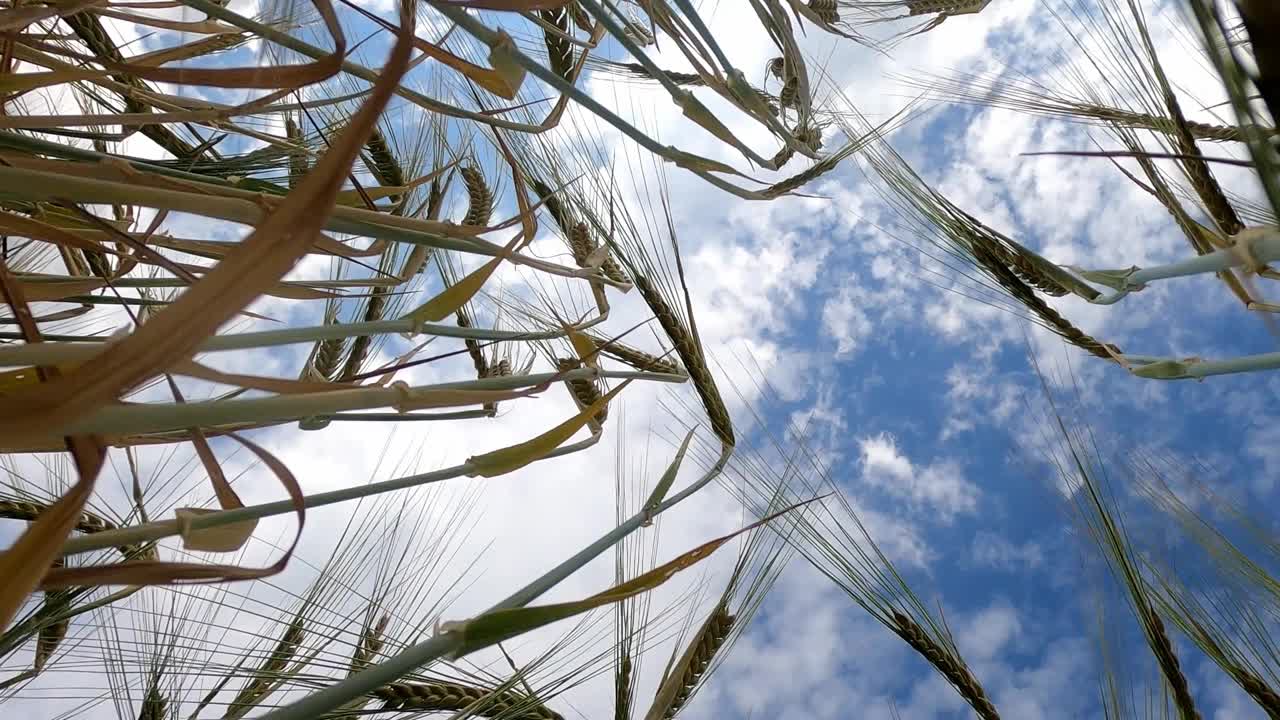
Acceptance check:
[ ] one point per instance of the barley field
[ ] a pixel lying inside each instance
(639, 359)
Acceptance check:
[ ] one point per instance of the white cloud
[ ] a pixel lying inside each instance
(939, 486)
(994, 551)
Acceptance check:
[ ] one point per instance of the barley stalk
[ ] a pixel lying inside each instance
(709, 641)
(951, 667)
(691, 355)
(453, 697)
(473, 347)
(479, 198)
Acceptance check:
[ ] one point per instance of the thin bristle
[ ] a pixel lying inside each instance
(691, 355)
(952, 668)
(452, 697)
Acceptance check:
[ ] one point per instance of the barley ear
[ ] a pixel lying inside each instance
(692, 665)
(694, 361)
(951, 667)
(456, 698)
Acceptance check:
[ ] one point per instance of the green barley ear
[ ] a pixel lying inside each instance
(948, 663)
(155, 706)
(559, 48)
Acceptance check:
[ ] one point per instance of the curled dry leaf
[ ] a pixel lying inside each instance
(260, 261)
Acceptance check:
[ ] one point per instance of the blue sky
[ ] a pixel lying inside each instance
(924, 404)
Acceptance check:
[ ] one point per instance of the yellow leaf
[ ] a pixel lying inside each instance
(455, 296)
(501, 462)
(585, 347)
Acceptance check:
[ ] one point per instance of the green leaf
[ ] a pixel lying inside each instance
(499, 625)
(668, 477)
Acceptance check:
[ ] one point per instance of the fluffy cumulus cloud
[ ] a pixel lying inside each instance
(938, 486)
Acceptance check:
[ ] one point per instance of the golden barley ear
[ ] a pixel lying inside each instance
(827, 10)
(479, 198)
(703, 649)
(455, 698)
(585, 392)
(691, 355)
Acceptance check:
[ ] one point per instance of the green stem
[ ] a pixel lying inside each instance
(153, 531)
(163, 417)
(57, 353)
(446, 643)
